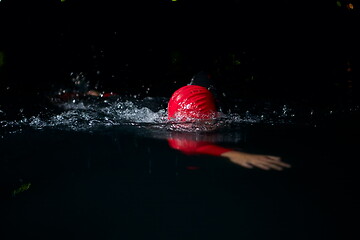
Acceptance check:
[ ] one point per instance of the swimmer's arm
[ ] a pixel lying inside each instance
(93, 93)
(249, 160)
(243, 159)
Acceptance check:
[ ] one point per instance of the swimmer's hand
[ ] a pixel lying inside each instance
(93, 93)
(249, 160)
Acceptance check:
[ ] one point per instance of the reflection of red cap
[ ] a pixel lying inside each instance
(192, 101)
(192, 147)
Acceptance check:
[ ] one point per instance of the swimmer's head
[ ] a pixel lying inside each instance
(192, 102)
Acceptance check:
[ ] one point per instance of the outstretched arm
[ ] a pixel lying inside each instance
(249, 160)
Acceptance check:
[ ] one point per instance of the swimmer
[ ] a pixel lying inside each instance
(196, 103)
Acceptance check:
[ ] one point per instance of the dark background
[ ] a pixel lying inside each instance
(266, 50)
(278, 51)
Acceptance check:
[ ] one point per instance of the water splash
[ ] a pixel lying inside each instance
(94, 114)
(82, 116)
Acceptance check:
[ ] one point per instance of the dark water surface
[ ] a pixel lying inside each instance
(106, 171)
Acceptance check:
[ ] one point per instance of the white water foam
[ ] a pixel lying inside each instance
(85, 115)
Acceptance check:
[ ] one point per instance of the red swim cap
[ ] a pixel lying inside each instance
(192, 102)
